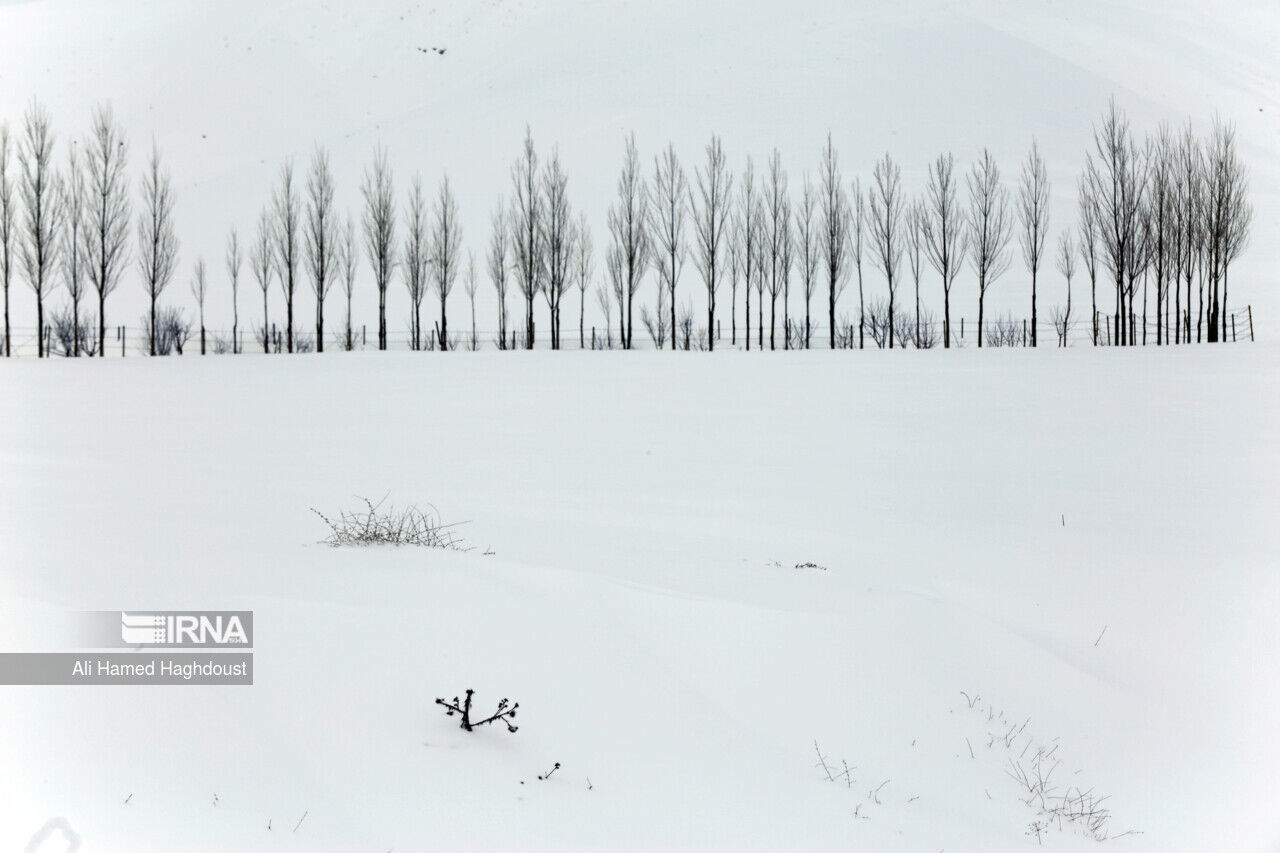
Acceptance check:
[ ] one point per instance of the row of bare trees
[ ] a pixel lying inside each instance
(1169, 214)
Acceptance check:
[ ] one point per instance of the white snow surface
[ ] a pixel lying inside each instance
(231, 89)
(980, 517)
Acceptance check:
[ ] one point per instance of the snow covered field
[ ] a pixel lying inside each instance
(1084, 539)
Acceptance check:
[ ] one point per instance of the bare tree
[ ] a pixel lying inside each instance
(380, 231)
(1066, 262)
(990, 227)
(1239, 222)
(736, 258)
(106, 233)
(615, 263)
(1088, 247)
(498, 245)
(914, 220)
(945, 239)
(1228, 216)
(234, 260)
(157, 243)
(786, 257)
(1159, 215)
(416, 258)
(1114, 181)
(348, 262)
(287, 224)
(711, 216)
(603, 299)
(835, 222)
(262, 263)
(656, 323)
(858, 221)
(885, 214)
(8, 210)
(778, 210)
(321, 235)
(629, 225)
(1033, 208)
(200, 289)
(446, 242)
(1138, 260)
(527, 230)
(809, 246)
(582, 249)
(73, 206)
(1190, 206)
(671, 195)
(469, 285)
(559, 237)
(41, 208)
(750, 213)
(761, 243)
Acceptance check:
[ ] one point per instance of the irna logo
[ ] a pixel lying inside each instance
(204, 628)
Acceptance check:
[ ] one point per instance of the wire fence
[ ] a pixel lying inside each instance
(872, 333)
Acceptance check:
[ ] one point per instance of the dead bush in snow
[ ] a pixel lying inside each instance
(375, 525)
(74, 335)
(505, 713)
(1061, 808)
(1003, 332)
(1034, 768)
(173, 330)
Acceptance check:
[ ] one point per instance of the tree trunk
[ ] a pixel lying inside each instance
(528, 344)
(981, 294)
(673, 309)
(917, 341)
(444, 325)
(382, 316)
(946, 315)
(1033, 307)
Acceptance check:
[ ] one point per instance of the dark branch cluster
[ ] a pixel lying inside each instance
(505, 713)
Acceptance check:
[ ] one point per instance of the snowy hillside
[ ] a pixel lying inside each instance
(1082, 542)
(231, 89)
